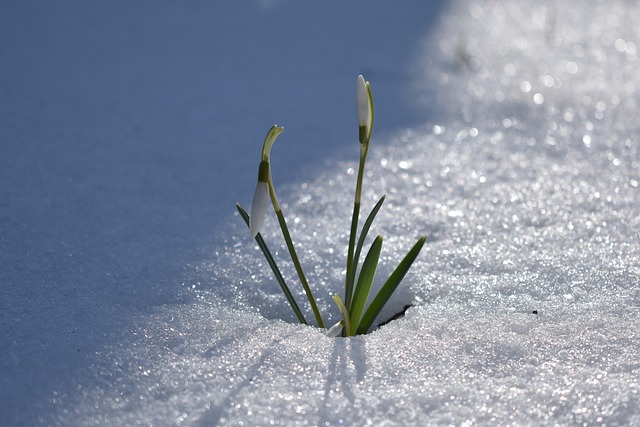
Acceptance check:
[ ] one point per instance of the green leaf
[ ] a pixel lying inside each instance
(389, 287)
(350, 276)
(274, 268)
(363, 287)
(343, 311)
(363, 236)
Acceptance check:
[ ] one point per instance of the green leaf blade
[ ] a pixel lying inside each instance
(274, 267)
(363, 236)
(389, 287)
(363, 287)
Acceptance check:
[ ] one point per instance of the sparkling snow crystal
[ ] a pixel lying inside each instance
(524, 174)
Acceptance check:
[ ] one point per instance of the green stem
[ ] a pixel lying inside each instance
(296, 263)
(352, 263)
(292, 252)
(348, 291)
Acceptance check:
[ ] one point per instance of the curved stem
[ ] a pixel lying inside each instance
(293, 254)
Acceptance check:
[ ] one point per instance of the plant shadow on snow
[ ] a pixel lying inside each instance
(347, 362)
(213, 415)
(340, 377)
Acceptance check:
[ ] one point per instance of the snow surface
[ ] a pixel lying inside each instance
(133, 295)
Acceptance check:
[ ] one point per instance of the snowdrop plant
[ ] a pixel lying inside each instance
(355, 319)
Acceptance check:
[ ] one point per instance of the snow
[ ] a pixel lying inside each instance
(132, 294)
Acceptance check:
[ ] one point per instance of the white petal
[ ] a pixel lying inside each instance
(362, 101)
(335, 330)
(258, 208)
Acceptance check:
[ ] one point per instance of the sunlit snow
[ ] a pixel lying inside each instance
(507, 132)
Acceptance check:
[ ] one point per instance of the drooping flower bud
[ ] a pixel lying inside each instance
(260, 200)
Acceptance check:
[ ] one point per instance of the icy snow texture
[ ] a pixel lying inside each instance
(525, 298)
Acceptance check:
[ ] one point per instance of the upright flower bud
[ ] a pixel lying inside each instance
(260, 200)
(364, 109)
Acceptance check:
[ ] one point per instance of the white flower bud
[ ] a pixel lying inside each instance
(258, 208)
(335, 330)
(364, 109)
